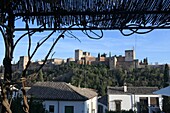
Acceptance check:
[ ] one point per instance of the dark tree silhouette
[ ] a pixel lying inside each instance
(166, 75)
(166, 99)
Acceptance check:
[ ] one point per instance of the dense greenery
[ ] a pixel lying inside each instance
(100, 76)
(166, 99)
(35, 106)
(166, 75)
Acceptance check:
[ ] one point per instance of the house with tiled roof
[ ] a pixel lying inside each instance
(60, 97)
(139, 99)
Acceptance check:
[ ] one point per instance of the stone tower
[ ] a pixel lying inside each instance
(78, 54)
(129, 55)
(112, 62)
(22, 63)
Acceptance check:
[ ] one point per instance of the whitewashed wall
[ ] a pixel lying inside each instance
(128, 101)
(92, 104)
(149, 96)
(79, 106)
(59, 106)
(48, 103)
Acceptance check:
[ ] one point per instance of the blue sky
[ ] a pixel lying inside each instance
(154, 45)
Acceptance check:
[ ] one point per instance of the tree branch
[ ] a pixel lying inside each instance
(29, 39)
(4, 36)
(72, 36)
(35, 50)
(98, 37)
(39, 44)
(5, 102)
(30, 33)
(60, 36)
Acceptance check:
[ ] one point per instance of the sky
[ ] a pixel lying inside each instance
(154, 45)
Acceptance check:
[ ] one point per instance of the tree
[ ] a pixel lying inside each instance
(166, 104)
(40, 76)
(166, 75)
(16, 105)
(10, 12)
(166, 99)
(36, 106)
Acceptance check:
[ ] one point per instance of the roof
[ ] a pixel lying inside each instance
(128, 50)
(134, 90)
(106, 14)
(60, 91)
(163, 91)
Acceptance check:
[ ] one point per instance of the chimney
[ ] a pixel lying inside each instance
(125, 87)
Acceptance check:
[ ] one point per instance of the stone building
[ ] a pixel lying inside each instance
(129, 60)
(124, 61)
(137, 99)
(60, 97)
(83, 57)
(21, 64)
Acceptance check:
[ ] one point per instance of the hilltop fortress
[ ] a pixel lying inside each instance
(127, 61)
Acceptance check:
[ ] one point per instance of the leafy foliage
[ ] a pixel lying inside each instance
(100, 76)
(166, 104)
(166, 99)
(40, 76)
(16, 105)
(166, 75)
(35, 106)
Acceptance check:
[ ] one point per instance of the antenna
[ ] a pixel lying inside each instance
(134, 48)
(135, 42)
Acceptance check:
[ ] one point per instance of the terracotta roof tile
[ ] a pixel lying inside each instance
(136, 90)
(60, 91)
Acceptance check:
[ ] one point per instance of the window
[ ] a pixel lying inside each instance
(154, 101)
(69, 109)
(93, 110)
(51, 108)
(118, 105)
(128, 54)
(143, 104)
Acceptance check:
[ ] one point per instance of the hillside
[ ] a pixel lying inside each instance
(99, 76)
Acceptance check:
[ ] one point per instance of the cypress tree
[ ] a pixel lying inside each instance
(166, 75)
(166, 99)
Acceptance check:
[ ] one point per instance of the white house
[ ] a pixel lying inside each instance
(140, 99)
(60, 97)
